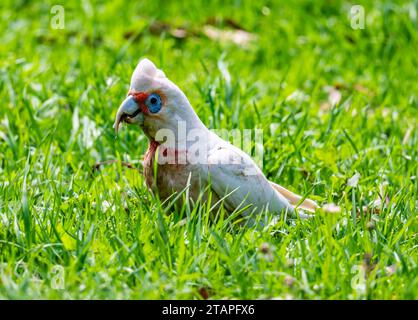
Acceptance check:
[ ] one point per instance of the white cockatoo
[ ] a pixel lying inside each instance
(183, 153)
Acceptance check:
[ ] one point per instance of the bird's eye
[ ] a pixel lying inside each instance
(154, 102)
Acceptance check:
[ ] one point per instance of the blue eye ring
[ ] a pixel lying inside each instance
(154, 102)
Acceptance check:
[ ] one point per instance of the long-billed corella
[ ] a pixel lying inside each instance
(184, 154)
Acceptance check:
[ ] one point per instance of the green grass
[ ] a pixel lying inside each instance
(60, 90)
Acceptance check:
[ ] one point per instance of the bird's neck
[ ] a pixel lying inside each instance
(152, 148)
(191, 137)
(166, 155)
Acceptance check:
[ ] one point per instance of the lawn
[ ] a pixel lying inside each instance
(338, 107)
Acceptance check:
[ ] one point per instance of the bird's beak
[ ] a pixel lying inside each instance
(128, 110)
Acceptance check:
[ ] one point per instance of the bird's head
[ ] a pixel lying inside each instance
(154, 102)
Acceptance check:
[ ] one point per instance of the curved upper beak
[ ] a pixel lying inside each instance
(128, 109)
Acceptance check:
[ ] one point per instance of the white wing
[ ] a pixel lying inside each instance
(232, 170)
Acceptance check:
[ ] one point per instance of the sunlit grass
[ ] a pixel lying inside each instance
(59, 93)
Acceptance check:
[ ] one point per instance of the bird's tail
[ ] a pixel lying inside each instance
(294, 199)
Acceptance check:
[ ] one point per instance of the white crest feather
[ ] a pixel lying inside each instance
(145, 67)
(144, 72)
